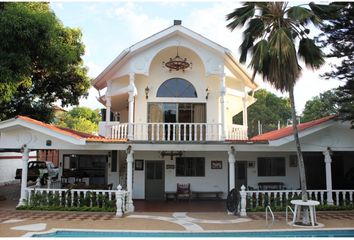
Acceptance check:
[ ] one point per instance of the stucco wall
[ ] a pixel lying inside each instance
(290, 180)
(207, 65)
(215, 179)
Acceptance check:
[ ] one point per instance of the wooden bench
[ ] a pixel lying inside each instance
(213, 194)
(271, 186)
(170, 195)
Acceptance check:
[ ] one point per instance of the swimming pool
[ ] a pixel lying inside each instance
(137, 234)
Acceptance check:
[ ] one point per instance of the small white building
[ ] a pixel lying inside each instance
(173, 96)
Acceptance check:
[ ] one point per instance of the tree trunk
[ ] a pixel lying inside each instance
(298, 146)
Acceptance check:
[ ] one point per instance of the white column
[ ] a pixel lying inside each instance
(132, 92)
(108, 115)
(222, 105)
(244, 115)
(130, 160)
(231, 168)
(328, 161)
(108, 109)
(25, 157)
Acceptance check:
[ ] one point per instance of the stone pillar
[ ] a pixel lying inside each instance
(243, 194)
(328, 161)
(108, 115)
(130, 160)
(231, 168)
(131, 105)
(25, 157)
(222, 105)
(119, 201)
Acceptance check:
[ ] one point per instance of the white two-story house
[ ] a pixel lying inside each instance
(174, 95)
(170, 100)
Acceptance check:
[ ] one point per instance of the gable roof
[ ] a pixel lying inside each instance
(73, 136)
(284, 132)
(99, 82)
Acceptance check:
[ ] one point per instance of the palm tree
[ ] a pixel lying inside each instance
(276, 38)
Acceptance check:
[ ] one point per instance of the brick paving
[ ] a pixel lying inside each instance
(214, 210)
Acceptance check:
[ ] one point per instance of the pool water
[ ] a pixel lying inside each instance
(300, 233)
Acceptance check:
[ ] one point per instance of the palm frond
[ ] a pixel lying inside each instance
(260, 57)
(325, 12)
(311, 54)
(240, 15)
(283, 67)
(303, 15)
(246, 44)
(255, 30)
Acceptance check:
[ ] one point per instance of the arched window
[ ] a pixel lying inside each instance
(177, 87)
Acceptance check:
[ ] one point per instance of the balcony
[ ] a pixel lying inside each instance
(173, 132)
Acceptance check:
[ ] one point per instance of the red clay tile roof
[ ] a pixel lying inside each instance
(70, 132)
(283, 132)
(104, 140)
(52, 127)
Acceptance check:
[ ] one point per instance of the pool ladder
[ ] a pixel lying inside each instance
(271, 213)
(286, 213)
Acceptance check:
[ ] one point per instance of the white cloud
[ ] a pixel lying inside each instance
(91, 101)
(211, 23)
(139, 25)
(57, 5)
(93, 69)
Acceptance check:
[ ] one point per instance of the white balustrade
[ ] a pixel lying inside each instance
(186, 132)
(262, 198)
(76, 197)
(237, 132)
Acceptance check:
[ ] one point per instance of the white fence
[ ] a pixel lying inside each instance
(282, 198)
(189, 132)
(71, 198)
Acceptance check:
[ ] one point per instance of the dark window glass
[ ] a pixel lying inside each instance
(271, 166)
(114, 161)
(177, 87)
(150, 168)
(170, 112)
(190, 167)
(154, 170)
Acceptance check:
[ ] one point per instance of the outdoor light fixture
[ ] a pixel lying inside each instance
(207, 93)
(171, 154)
(177, 63)
(147, 90)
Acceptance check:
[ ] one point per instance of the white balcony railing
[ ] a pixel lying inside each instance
(186, 132)
(237, 132)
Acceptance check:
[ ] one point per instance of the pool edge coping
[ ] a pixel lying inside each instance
(53, 230)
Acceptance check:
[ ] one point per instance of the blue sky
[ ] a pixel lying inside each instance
(110, 27)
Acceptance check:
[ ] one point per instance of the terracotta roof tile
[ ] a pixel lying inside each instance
(70, 132)
(61, 130)
(104, 140)
(283, 132)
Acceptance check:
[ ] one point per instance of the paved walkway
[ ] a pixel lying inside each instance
(15, 223)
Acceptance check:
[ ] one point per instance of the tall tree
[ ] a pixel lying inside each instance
(268, 109)
(270, 37)
(321, 106)
(81, 119)
(40, 61)
(338, 36)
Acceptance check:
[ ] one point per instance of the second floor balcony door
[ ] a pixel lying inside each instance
(178, 120)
